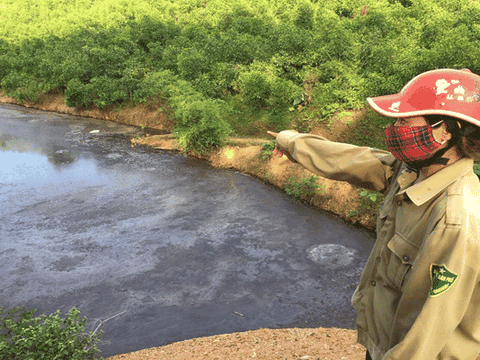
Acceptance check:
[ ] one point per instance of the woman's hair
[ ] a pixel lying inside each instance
(470, 145)
(466, 135)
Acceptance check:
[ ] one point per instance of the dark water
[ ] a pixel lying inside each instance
(179, 249)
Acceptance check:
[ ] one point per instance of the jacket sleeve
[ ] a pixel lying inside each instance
(447, 279)
(360, 166)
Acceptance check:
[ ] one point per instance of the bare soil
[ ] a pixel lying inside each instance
(244, 155)
(268, 344)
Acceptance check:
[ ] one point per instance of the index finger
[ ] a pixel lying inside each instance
(274, 134)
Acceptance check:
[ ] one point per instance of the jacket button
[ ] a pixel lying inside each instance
(399, 203)
(406, 257)
(379, 259)
(373, 283)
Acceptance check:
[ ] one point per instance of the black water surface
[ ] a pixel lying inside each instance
(179, 249)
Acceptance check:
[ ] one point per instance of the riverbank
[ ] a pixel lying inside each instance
(262, 344)
(241, 154)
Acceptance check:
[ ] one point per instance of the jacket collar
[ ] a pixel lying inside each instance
(433, 185)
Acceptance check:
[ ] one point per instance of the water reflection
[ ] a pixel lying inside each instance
(61, 157)
(55, 154)
(29, 168)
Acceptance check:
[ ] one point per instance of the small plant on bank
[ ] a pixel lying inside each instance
(304, 189)
(369, 200)
(267, 150)
(25, 337)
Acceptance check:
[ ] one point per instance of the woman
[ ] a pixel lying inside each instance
(419, 294)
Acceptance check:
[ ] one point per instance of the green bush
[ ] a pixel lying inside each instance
(25, 337)
(255, 87)
(305, 16)
(263, 87)
(107, 91)
(78, 94)
(255, 56)
(148, 31)
(200, 126)
(192, 63)
(238, 48)
(304, 189)
(267, 149)
(155, 84)
(23, 87)
(339, 88)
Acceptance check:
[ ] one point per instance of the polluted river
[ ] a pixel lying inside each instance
(159, 246)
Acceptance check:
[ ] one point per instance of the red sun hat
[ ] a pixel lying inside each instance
(443, 92)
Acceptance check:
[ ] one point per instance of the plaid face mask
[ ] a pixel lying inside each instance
(411, 144)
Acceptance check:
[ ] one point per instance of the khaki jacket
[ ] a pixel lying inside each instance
(419, 294)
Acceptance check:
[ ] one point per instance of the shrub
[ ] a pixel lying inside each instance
(262, 87)
(267, 149)
(286, 39)
(200, 126)
(223, 79)
(340, 88)
(304, 189)
(5, 59)
(192, 63)
(242, 21)
(147, 31)
(235, 47)
(305, 16)
(255, 87)
(154, 83)
(25, 337)
(23, 87)
(107, 91)
(78, 94)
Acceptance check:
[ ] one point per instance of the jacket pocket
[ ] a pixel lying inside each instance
(402, 257)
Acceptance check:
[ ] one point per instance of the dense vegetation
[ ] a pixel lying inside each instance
(25, 337)
(233, 67)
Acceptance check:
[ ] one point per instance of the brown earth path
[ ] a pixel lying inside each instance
(264, 344)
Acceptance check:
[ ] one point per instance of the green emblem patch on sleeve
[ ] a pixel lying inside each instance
(442, 279)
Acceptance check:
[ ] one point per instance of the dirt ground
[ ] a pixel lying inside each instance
(243, 155)
(268, 344)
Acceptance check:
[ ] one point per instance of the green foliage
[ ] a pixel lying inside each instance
(200, 126)
(261, 87)
(371, 197)
(23, 87)
(305, 16)
(476, 169)
(25, 337)
(368, 130)
(192, 63)
(369, 200)
(267, 149)
(304, 189)
(262, 60)
(160, 84)
(339, 88)
(78, 94)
